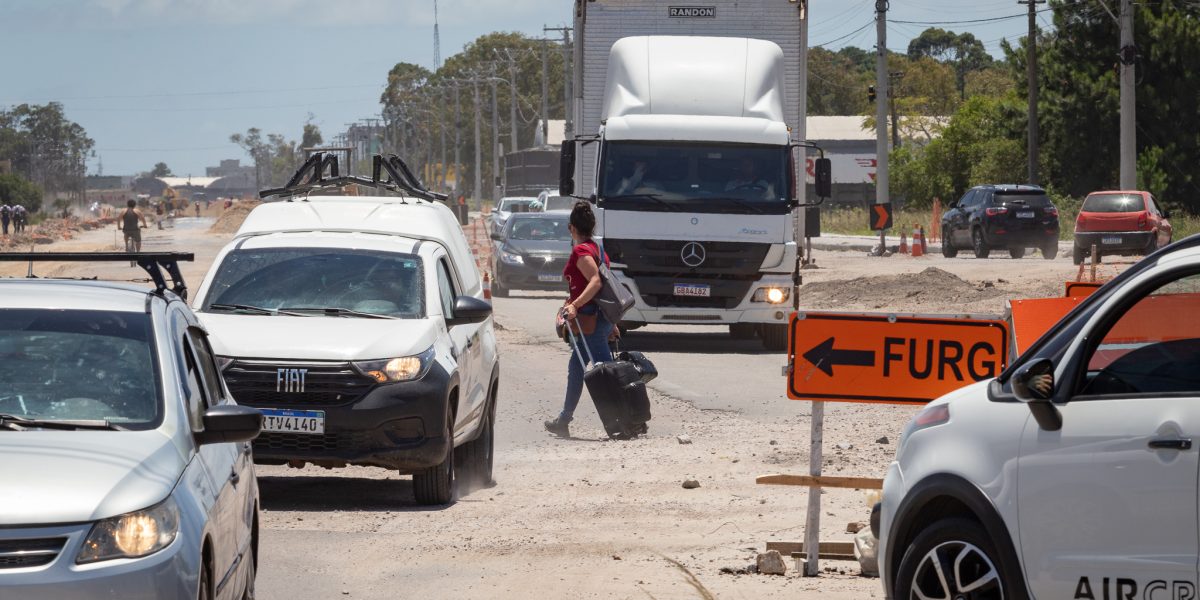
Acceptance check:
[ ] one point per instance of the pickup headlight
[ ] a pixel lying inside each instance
(404, 368)
(510, 258)
(132, 535)
(772, 295)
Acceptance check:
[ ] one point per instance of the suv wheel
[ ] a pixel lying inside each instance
(435, 485)
(952, 558)
(948, 249)
(978, 243)
(1016, 252)
(774, 337)
(1050, 250)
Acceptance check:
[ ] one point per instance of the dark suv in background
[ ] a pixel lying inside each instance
(1012, 217)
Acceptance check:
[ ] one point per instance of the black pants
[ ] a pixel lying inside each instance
(4, 223)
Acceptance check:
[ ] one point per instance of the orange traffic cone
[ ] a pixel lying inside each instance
(903, 243)
(924, 245)
(487, 286)
(918, 249)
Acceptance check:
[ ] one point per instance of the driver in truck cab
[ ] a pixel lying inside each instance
(747, 179)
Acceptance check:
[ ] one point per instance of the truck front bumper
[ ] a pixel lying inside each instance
(744, 311)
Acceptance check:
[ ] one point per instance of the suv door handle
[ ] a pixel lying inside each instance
(1176, 444)
(234, 477)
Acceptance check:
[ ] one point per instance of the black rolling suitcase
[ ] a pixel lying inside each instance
(617, 390)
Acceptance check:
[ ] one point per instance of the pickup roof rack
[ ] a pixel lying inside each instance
(312, 175)
(152, 262)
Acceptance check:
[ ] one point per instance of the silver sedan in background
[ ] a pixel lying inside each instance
(125, 467)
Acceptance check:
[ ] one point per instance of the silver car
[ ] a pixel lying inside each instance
(125, 467)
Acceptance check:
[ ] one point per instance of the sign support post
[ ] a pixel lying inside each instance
(812, 524)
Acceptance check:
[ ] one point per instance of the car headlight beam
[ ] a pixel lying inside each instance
(402, 368)
(510, 258)
(132, 535)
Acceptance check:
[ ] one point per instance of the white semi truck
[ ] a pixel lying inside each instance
(689, 153)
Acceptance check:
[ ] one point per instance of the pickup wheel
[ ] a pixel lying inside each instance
(436, 485)
(953, 558)
(477, 455)
(979, 244)
(774, 337)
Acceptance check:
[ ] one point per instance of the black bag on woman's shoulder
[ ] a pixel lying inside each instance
(613, 298)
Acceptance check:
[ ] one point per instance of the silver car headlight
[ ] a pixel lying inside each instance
(403, 368)
(510, 258)
(132, 535)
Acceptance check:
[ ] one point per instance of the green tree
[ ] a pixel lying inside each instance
(836, 85)
(45, 147)
(15, 189)
(965, 53)
(160, 170)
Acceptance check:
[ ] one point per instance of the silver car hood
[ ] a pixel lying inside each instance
(49, 477)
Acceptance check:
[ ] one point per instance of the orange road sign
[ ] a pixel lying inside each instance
(881, 216)
(1081, 288)
(889, 359)
(1032, 317)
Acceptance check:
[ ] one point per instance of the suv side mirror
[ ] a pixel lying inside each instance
(566, 168)
(230, 423)
(823, 177)
(1034, 382)
(469, 309)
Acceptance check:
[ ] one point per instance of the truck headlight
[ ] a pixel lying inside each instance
(403, 368)
(772, 295)
(132, 535)
(510, 258)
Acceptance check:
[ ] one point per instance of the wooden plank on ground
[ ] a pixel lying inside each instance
(829, 550)
(858, 483)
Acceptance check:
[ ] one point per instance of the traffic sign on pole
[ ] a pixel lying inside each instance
(881, 216)
(891, 359)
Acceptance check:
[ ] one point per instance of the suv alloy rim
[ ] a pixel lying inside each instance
(956, 571)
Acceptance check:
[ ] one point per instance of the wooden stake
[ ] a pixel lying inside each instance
(812, 524)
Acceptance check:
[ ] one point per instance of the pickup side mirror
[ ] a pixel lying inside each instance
(1033, 384)
(823, 177)
(566, 168)
(230, 423)
(469, 309)
(496, 235)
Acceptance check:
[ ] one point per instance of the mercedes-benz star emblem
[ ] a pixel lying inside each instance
(692, 254)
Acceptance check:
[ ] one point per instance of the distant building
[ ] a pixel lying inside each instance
(228, 168)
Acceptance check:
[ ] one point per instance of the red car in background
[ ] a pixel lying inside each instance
(1120, 222)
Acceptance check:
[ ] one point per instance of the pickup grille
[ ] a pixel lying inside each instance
(20, 554)
(255, 383)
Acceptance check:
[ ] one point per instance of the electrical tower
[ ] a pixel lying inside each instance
(437, 39)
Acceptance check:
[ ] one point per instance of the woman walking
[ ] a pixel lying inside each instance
(583, 279)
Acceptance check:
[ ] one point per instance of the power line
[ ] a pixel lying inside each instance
(836, 40)
(969, 21)
(223, 108)
(223, 93)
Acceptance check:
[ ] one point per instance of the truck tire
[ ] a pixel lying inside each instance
(435, 485)
(774, 337)
(742, 331)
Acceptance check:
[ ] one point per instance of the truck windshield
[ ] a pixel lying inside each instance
(688, 177)
(338, 280)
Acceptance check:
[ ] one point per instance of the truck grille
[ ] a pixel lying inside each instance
(723, 260)
(19, 554)
(256, 383)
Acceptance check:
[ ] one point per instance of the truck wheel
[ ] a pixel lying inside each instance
(436, 485)
(1016, 252)
(742, 331)
(979, 244)
(476, 456)
(1050, 250)
(774, 337)
(948, 249)
(953, 558)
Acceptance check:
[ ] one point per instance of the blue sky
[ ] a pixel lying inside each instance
(170, 80)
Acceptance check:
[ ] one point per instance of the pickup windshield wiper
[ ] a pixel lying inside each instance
(333, 311)
(14, 422)
(258, 310)
(655, 197)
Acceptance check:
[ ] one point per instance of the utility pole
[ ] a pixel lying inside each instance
(881, 116)
(545, 94)
(1128, 56)
(495, 135)
(892, 104)
(458, 174)
(442, 129)
(478, 153)
(569, 126)
(1031, 68)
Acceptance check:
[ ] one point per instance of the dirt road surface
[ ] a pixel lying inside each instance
(589, 518)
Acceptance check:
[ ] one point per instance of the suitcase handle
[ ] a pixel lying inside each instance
(575, 343)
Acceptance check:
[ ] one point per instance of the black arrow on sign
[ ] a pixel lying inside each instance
(824, 357)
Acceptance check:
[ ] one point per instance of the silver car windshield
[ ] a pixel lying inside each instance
(334, 281)
(79, 365)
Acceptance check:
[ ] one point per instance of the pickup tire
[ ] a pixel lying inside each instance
(477, 456)
(436, 485)
(774, 337)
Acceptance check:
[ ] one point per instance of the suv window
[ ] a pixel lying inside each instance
(1036, 199)
(1154, 348)
(446, 288)
(967, 199)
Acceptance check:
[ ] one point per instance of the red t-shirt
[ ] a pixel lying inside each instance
(575, 279)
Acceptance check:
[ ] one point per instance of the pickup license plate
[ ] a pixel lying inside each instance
(1025, 214)
(1110, 240)
(699, 290)
(293, 421)
(549, 278)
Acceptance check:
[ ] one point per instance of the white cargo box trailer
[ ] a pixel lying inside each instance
(600, 23)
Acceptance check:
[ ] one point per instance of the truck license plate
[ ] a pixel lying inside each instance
(293, 421)
(1027, 214)
(549, 278)
(699, 290)
(1110, 240)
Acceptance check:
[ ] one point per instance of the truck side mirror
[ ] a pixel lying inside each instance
(823, 178)
(566, 169)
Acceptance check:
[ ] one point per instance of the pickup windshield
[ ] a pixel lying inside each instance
(79, 365)
(332, 280)
(690, 177)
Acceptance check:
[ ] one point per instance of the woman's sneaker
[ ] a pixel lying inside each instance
(558, 427)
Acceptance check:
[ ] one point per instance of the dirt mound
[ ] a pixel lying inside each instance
(232, 217)
(931, 290)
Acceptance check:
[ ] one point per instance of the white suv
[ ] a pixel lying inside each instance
(358, 326)
(1071, 475)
